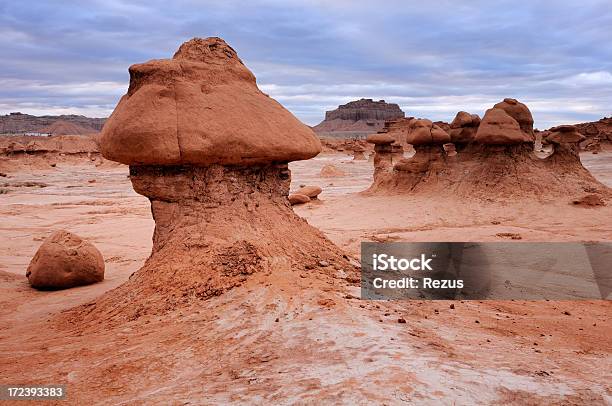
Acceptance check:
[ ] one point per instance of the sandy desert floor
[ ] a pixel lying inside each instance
(290, 338)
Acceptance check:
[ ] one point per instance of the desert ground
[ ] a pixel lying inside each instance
(298, 337)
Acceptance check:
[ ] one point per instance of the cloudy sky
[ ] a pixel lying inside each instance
(432, 59)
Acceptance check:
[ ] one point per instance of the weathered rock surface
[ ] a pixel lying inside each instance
(463, 128)
(519, 112)
(589, 200)
(192, 109)
(499, 128)
(64, 260)
(380, 139)
(423, 131)
(563, 134)
(598, 133)
(359, 115)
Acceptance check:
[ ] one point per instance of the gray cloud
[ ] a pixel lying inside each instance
(433, 59)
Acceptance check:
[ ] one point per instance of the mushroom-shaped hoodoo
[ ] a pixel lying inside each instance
(211, 153)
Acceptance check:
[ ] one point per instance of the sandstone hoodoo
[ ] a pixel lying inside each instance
(360, 117)
(425, 137)
(492, 158)
(358, 153)
(211, 153)
(563, 134)
(64, 260)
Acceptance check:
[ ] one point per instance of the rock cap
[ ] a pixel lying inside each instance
(564, 134)
(497, 127)
(423, 131)
(202, 107)
(518, 111)
(380, 139)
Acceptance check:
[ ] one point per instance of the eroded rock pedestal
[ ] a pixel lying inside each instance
(215, 226)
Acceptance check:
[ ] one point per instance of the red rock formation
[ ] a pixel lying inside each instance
(311, 191)
(64, 260)
(297, 198)
(499, 128)
(495, 159)
(519, 112)
(423, 131)
(597, 133)
(210, 151)
(358, 151)
(191, 109)
(463, 128)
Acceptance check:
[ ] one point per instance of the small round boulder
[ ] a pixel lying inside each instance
(310, 191)
(64, 260)
(297, 198)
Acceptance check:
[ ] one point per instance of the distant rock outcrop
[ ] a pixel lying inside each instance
(18, 123)
(490, 159)
(363, 117)
(597, 133)
(63, 127)
(13, 145)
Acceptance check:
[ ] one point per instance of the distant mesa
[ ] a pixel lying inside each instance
(358, 118)
(26, 124)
